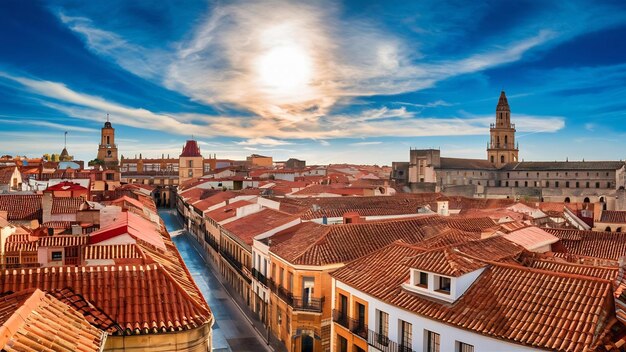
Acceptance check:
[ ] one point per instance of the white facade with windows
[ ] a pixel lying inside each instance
(447, 339)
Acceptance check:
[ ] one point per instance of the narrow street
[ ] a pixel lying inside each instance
(232, 330)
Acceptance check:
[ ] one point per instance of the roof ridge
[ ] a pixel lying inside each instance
(182, 290)
(543, 271)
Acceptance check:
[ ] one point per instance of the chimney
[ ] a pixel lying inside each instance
(352, 218)
(46, 206)
(442, 208)
(77, 230)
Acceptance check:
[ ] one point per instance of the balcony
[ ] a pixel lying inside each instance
(232, 261)
(259, 277)
(359, 328)
(309, 304)
(285, 295)
(381, 342)
(341, 318)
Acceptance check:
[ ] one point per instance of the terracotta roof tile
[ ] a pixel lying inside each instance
(66, 205)
(226, 212)
(613, 216)
(606, 245)
(35, 321)
(247, 227)
(21, 206)
(505, 302)
(315, 208)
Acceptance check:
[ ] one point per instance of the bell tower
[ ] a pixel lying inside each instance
(501, 148)
(107, 150)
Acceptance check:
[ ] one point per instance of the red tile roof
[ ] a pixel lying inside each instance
(6, 173)
(608, 245)
(35, 321)
(66, 186)
(247, 227)
(191, 149)
(613, 216)
(66, 205)
(506, 301)
(21, 206)
(228, 211)
(313, 244)
(534, 260)
(132, 224)
(113, 251)
(213, 199)
(315, 208)
(142, 299)
(445, 261)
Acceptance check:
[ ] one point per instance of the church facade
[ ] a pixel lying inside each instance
(502, 175)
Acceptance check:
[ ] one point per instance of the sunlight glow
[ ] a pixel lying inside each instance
(284, 70)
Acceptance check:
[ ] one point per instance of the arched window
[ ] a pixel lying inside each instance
(506, 140)
(492, 159)
(586, 200)
(502, 158)
(608, 229)
(567, 200)
(601, 199)
(108, 141)
(498, 141)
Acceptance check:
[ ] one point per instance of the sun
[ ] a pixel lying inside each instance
(285, 70)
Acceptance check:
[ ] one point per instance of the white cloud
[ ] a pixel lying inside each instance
(366, 143)
(263, 142)
(47, 124)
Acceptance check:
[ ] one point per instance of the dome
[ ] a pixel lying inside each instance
(107, 125)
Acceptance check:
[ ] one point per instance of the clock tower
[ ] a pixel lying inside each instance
(107, 150)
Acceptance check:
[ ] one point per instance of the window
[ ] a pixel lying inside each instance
(597, 184)
(342, 344)
(432, 341)
(464, 347)
(502, 158)
(190, 163)
(406, 336)
(577, 184)
(492, 159)
(57, 255)
(566, 184)
(290, 283)
(556, 184)
(443, 285)
(516, 184)
(281, 277)
(547, 183)
(608, 185)
(587, 185)
(382, 327)
(525, 183)
(423, 279)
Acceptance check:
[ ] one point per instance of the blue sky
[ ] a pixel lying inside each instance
(355, 81)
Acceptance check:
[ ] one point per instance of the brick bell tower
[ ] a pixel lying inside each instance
(107, 150)
(501, 149)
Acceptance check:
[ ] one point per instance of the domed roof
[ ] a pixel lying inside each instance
(107, 125)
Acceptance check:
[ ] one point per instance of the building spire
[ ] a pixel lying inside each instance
(503, 103)
(65, 142)
(108, 117)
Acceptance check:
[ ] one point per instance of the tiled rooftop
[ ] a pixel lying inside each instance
(315, 208)
(132, 224)
(36, 321)
(66, 205)
(21, 206)
(506, 301)
(605, 245)
(226, 212)
(614, 216)
(247, 227)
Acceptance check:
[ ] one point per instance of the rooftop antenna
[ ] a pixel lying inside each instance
(65, 137)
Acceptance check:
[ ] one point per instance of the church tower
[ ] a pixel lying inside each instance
(501, 149)
(107, 150)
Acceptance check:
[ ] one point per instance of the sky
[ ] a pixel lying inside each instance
(325, 81)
